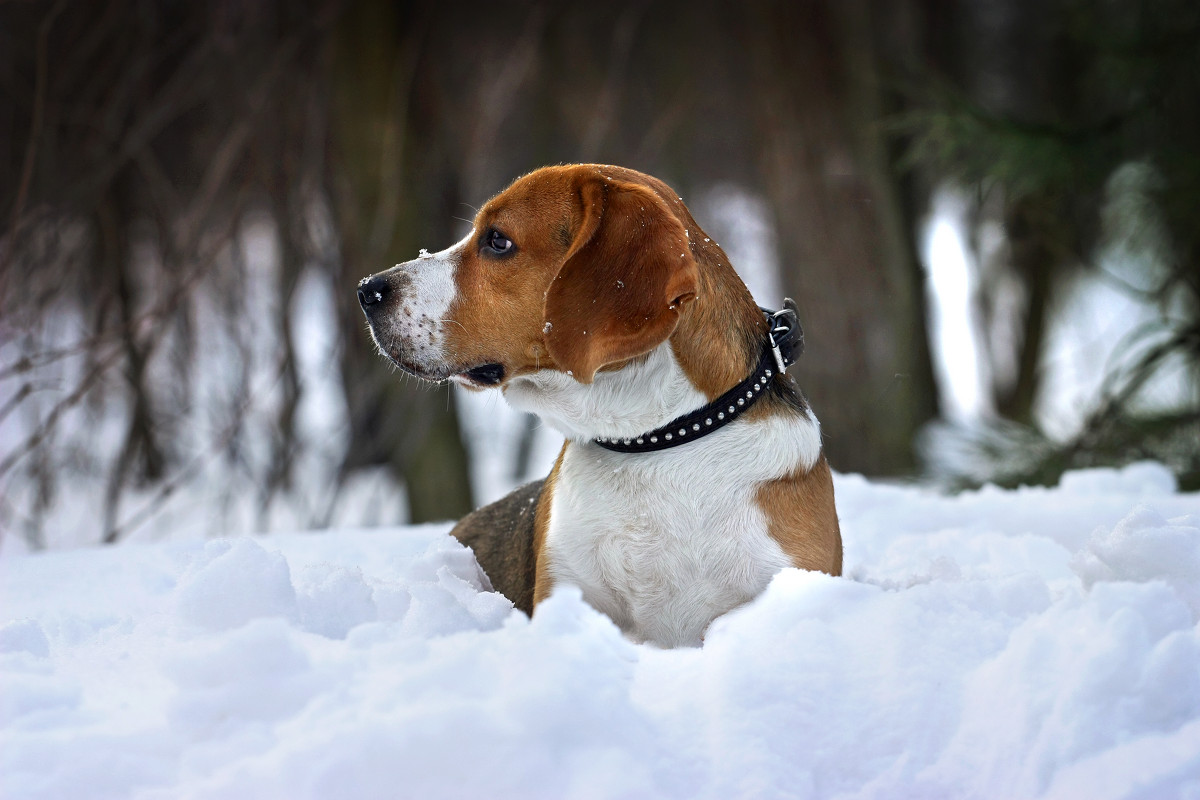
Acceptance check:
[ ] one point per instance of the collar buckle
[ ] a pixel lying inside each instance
(784, 334)
(775, 328)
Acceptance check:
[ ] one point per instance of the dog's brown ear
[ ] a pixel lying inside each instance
(628, 272)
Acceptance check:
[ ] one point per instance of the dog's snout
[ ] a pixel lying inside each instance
(371, 291)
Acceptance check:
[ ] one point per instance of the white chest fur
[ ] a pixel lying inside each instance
(662, 542)
(665, 542)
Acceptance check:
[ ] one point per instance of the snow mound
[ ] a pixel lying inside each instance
(995, 644)
(233, 582)
(1145, 547)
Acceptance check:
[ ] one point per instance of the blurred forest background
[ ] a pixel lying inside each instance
(189, 192)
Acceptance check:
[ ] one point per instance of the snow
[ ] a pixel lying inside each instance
(994, 644)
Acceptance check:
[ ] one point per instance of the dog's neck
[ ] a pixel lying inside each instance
(643, 394)
(780, 349)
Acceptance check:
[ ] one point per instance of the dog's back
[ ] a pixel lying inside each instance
(501, 534)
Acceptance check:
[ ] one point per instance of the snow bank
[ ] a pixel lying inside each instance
(1036, 643)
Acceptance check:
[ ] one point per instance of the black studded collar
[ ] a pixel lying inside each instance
(784, 344)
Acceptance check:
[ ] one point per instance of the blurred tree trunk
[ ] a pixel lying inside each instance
(1025, 68)
(1032, 261)
(846, 232)
(396, 421)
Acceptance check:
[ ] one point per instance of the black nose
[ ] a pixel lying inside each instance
(371, 291)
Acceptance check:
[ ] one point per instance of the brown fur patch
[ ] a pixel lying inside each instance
(543, 580)
(801, 517)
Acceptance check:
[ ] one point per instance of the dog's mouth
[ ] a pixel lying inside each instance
(483, 375)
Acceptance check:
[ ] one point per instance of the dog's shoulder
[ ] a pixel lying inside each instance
(501, 535)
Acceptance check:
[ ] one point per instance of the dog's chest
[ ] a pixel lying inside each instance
(662, 543)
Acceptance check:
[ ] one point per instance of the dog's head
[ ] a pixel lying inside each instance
(573, 268)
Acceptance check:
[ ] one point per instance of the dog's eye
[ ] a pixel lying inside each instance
(497, 242)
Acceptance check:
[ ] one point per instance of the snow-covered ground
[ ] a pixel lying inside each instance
(1032, 643)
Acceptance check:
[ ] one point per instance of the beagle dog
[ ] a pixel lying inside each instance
(692, 470)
